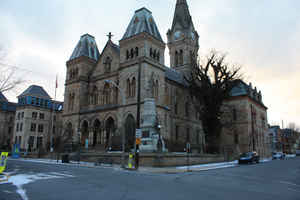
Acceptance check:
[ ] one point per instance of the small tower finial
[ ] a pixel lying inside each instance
(110, 35)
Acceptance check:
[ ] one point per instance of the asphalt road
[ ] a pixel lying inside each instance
(272, 180)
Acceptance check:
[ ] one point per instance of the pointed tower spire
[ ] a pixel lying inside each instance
(182, 15)
(183, 39)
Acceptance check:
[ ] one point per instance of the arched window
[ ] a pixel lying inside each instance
(107, 64)
(166, 95)
(158, 56)
(176, 108)
(71, 101)
(176, 58)
(127, 55)
(151, 53)
(136, 51)
(95, 95)
(154, 54)
(156, 86)
(128, 88)
(107, 94)
(133, 87)
(181, 57)
(187, 109)
(131, 53)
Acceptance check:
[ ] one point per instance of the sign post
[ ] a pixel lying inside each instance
(16, 151)
(138, 136)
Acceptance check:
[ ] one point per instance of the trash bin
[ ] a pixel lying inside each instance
(65, 158)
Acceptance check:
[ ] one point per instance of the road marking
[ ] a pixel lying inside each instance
(293, 190)
(61, 174)
(289, 183)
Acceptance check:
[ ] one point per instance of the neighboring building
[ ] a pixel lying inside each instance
(247, 118)
(7, 116)
(37, 119)
(290, 140)
(93, 107)
(276, 139)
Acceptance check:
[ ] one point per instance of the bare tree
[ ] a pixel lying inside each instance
(8, 77)
(210, 84)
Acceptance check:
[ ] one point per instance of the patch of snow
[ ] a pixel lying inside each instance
(265, 160)
(19, 180)
(211, 166)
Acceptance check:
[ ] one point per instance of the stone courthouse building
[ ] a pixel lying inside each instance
(101, 89)
(93, 107)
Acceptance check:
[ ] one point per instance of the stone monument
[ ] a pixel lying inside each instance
(150, 131)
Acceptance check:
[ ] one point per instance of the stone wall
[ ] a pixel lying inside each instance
(156, 160)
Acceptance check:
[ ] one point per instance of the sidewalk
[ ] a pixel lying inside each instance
(179, 169)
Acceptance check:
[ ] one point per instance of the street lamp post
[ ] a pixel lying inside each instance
(122, 127)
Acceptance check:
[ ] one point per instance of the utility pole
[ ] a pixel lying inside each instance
(138, 115)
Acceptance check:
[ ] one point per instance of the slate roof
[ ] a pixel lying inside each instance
(240, 90)
(142, 21)
(182, 15)
(175, 76)
(2, 97)
(243, 89)
(36, 91)
(86, 47)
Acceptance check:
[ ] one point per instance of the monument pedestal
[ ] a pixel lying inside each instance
(150, 133)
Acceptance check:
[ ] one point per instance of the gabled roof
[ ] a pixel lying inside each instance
(182, 15)
(36, 91)
(86, 47)
(2, 97)
(142, 21)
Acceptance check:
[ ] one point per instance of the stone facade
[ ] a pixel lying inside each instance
(101, 93)
(7, 115)
(38, 119)
(96, 110)
(247, 118)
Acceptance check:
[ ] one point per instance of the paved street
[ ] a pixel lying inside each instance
(36, 181)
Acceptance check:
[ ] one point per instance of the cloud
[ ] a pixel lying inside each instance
(262, 36)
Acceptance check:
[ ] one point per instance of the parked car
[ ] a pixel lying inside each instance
(249, 157)
(278, 155)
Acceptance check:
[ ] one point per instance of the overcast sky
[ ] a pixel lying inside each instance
(261, 35)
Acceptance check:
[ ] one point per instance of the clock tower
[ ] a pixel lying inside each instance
(183, 39)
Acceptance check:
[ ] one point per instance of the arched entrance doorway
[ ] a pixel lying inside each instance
(129, 132)
(84, 132)
(97, 133)
(109, 129)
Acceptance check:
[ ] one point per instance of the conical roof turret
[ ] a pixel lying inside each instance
(142, 21)
(86, 47)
